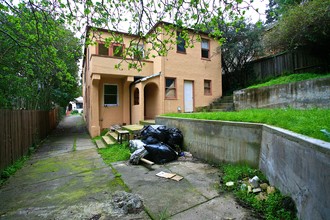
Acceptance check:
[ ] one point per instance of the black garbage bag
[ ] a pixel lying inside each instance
(175, 138)
(160, 153)
(158, 132)
(150, 140)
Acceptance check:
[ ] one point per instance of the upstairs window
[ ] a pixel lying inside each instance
(207, 87)
(102, 49)
(110, 95)
(205, 48)
(117, 50)
(170, 88)
(180, 47)
(139, 52)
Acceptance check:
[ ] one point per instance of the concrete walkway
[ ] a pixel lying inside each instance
(67, 179)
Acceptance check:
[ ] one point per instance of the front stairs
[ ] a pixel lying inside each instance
(222, 104)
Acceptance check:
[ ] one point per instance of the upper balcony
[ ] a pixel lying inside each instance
(107, 65)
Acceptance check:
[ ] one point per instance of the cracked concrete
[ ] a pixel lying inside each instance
(60, 182)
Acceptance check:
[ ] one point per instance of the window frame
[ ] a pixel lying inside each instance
(175, 88)
(204, 49)
(140, 48)
(98, 50)
(210, 87)
(112, 51)
(117, 95)
(178, 35)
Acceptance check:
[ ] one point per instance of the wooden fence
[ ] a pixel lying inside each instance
(288, 62)
(21, 129)
(297, 61)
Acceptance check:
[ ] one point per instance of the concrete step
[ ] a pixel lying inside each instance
(217, 110)
(223, 105)
(148, 122)
(108, 140)
(113, 135)
(100, 144)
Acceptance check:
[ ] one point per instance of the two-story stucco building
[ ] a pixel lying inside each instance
(182, 80)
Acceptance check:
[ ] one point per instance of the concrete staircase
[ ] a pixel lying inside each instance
(224, 103)
(106, 140)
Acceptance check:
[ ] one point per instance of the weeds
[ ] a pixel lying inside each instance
(275, 206)
(114, 153)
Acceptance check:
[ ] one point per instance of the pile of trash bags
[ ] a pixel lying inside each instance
(158, 144)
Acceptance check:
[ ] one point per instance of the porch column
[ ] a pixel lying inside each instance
(126, 97)
(95, 106)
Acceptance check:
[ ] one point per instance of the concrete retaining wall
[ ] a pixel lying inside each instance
(296, 164)
(216, 141)
(304, 94)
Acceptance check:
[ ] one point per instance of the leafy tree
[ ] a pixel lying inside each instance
(278, 7)
(305, 25)
(38, 59)
(242, 44)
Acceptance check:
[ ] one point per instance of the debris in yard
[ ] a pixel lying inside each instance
(263, 186)
(172, 176)
(137, 155)
(254, 182)
(256, 190)
(230, 183)
(161, 145)
(270, 189)
(127, 203)
(136, 144)
(261, 196)
(160, 153)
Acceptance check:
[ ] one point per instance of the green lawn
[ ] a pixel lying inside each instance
(290, 79)
(310, 122)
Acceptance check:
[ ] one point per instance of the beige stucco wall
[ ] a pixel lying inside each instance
(183, 67)
(191, 67)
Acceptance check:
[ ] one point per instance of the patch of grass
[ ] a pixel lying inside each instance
(276, 206)
(11, 170)
(311, 122)
(74, 112)
(290, 79)
(114, 153)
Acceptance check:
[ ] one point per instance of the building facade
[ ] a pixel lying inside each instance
(180, 81)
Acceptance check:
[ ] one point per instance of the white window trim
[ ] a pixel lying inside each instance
(110, 105)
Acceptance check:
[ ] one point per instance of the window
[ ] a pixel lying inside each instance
(117, 50)
(180, 47)
(170, 88)
(139, 52)
(110, 95)
(205, 48)
(207, 87)
(136, 97)
(102, 49)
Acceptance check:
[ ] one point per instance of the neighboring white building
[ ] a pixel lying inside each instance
(76, 104)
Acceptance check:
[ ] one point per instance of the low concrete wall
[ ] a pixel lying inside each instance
(304, 94)
(216, 141)
(298, 165)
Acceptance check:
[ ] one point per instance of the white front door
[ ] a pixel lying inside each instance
(188, 96)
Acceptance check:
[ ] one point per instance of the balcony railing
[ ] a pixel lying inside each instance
(107, 65)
